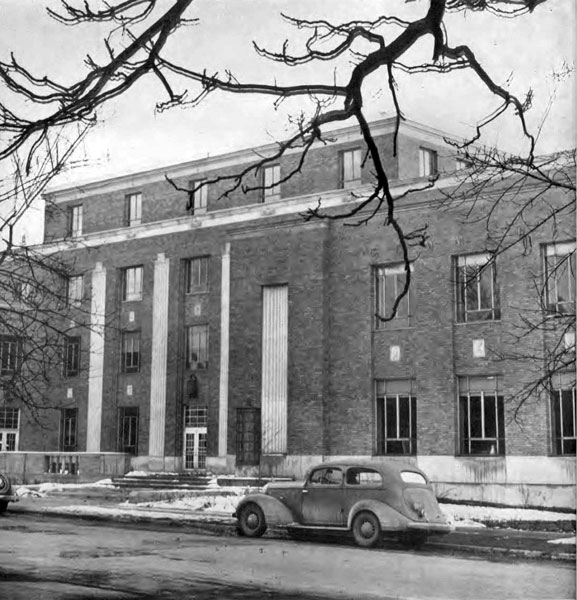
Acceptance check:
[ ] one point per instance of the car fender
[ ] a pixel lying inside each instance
(389, 518)
(275, 512)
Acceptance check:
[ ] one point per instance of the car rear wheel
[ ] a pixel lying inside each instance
(366, 529)
(251, 520)
(4, 484)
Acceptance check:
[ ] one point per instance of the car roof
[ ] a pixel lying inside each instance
(390, 468)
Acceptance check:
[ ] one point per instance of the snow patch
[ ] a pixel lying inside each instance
(569, 540)
(463, 512)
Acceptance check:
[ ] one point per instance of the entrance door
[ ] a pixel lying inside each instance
(195, 431)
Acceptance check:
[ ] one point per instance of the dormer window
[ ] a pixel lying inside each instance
(428, 163)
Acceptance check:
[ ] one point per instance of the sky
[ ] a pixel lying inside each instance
(520, 54)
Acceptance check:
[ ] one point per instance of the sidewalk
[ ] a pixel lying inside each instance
(104, 503)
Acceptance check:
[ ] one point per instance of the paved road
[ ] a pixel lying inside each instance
(50, 558)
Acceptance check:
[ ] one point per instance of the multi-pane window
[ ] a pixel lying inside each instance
(396, 416)
(428, 163)
(71, 356)
(199, 196)
(560, 277)
(195, 416)
(132, 283)
(196, 274)
(271, 187)
(248, 436)
(389, 283)
(351, 168)
(10, 354)
(128, 429)
(197, 346)
(75, 220)
(481, 416)
(75, 290)
(133, 209)
(130, 354)
(68, 428)
(477, 288)
(9, 427)
(563, 421)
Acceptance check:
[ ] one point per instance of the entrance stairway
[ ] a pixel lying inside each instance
(157, 481)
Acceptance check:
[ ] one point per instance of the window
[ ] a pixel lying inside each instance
(197, 347)
(461, 164)
(133, 209)
(563, 420)
(271, 187)
(326, 476)
(75, 220)
(75, 291)
(68, 427)
(363, 476)
(128, 429)
(351, 168)
(10, 354)
(477, 288)
(396, 414)
(130, 351)
(195, 416)
(71, 356)
(196, 274)
(132, 284)
(198, 196)
(389, 283)
(481, 416)
(9, 425)
(560, 277)
(427, 162)
(248, 436)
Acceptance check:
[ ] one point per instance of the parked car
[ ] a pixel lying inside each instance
(5, 493)
(368, 499)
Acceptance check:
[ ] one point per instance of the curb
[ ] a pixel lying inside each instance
(222, 525)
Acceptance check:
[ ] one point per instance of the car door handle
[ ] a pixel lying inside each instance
(305, 491)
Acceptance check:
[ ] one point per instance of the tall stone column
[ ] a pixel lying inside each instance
(96, 359)
(159, 355)
(224, 352)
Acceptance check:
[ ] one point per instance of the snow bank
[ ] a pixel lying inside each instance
(42, 489)
(569, 540)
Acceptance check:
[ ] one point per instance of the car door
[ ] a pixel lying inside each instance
(323, 497)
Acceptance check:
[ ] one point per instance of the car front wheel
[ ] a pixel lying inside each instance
(366, 529)
(251, 520)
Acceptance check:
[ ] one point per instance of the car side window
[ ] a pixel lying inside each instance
(363, 476)
(326, 476)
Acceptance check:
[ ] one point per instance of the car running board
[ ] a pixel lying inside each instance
(316, 527)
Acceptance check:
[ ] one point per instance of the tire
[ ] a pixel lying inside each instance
(4, 484)
(251, 521)
(3, 506)
(366, 529)
(413, 540)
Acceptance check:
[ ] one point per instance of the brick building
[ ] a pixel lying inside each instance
(241, 338)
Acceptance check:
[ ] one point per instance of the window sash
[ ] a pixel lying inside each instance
(427, 162)
(197, 347)
(75, 289)
(482, 426)
(130, 351)
(477, 289)
(72, 356)
(351, 167)
(10, 353)
(197, 274)
(76, 213)
(560, 277)
(564, 421)
(128, 429)
(69, 428)
(199, 196)
(134, 209)
(133, 283)
(396, 422)
(389, 284)
(195, 416)
(9, 418)
(271, 177)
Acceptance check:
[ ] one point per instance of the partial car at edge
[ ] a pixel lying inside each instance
(5, 493)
